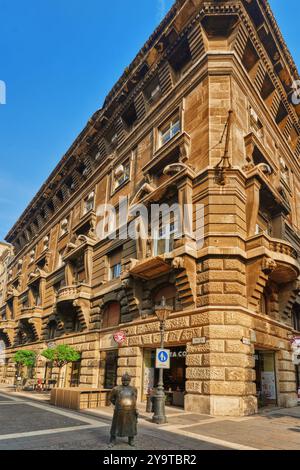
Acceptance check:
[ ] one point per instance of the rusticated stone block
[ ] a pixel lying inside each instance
(224, 332)
(286, 366)
(212, 264)
(126, 352)
(135, 341)
(239, 375)
(174, 336)
(148, 328)
(236, 346)
(175, 323)
(234, 288)
(237, 318)
(205, 373)
(287, 376)
(194, 360)
(212, 287)
(123, 361)
(287, 386)
(134, 361)
(229, 388)
(207, 318)
(234, 265)
(233, 360)
(147, 339)
(285, 355)
(193, 386)
(189, 334)
(130, 330)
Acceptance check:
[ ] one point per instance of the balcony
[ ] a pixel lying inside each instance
(151, 268)
(73, 293)
(176, 150)
(31, 320)
(285, 258)
(7, 331)
(31, 312)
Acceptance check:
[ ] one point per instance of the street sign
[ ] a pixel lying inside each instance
(120, 337)
(197, 341)
(162, 359)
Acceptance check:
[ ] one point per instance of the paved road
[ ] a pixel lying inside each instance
(26, 424)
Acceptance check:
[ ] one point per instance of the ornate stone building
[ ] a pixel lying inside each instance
(204, 116)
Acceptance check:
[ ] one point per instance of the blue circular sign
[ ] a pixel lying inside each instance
(163, 356)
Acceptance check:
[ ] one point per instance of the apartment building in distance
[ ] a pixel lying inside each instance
(204, 116)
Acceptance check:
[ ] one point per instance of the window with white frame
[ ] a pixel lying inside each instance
(121, 174)
(89, 203)
(164, 239)
(115, 264)
(169, 130)
(64, 227)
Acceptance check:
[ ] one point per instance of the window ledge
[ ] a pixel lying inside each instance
(177, 149)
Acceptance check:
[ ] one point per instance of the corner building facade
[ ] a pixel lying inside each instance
(203, 116)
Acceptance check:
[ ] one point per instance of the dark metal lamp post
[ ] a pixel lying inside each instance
(162, 312)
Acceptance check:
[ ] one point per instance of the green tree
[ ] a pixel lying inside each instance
(25, 358)
(60, 356)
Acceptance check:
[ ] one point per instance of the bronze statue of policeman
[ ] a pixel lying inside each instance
(125, 417)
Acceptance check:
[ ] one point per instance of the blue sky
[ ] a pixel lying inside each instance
(59, 59)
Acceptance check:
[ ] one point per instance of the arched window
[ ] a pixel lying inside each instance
(169, 293)
(111, 315)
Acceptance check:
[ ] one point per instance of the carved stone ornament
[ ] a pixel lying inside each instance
(268, 265)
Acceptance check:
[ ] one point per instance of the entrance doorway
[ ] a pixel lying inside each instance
(265, 378)
(174, 378)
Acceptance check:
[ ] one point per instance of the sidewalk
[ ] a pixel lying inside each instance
(272, 429)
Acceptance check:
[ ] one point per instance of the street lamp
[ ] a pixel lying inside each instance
(162, 312)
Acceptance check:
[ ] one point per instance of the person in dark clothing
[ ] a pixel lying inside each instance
(125, 417)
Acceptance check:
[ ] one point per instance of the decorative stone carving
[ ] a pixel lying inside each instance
(268, 265)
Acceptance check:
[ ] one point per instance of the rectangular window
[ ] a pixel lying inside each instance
(115, 263)
(121, 174)
(164, 240)
(89, 203)
(169, 130)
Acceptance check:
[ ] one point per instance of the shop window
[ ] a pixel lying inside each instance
(121, 175)
(75, 374)
(89, 203)
(110, 359)
(115, 263)
(111, 315)
(169, 130)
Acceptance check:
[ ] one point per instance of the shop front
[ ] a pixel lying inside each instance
(174, 378)
(265, 378)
